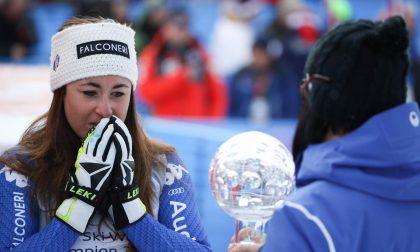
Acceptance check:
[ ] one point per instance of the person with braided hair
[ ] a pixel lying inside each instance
(356, 148)
(84, 176)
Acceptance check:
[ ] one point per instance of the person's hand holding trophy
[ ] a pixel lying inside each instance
(250, 176)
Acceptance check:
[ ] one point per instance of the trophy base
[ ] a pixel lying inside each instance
(249, 233)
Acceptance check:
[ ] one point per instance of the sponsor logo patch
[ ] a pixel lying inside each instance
(174, 191)
(414, 119)
(56, 62)
(102, 47)
(173, 172)
(20, 180)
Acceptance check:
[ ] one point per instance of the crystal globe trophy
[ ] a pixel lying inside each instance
(251, 174)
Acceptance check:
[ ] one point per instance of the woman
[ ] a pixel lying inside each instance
(112, 194)
(357, 146)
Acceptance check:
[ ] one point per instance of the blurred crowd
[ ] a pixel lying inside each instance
(250, 67)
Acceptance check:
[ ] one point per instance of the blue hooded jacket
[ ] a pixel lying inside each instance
(361, 192)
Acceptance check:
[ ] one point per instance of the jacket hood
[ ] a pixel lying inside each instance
(382, 157)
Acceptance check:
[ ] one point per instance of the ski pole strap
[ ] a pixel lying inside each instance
(125, 194)
(86, 194)
(127, 208)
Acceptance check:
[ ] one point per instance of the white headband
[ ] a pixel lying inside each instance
(90, 50)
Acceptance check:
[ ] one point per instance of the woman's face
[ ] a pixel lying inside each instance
(89, 100)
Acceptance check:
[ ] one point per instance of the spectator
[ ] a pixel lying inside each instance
(264, 89)
(115, 9)
(147, 27)
(17, 30)
(293, 33)
(233, 35)
(175, 79)
(338, 11)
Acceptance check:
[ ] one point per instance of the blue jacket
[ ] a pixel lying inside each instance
(282, 94)
(177, 227)
(361, 192)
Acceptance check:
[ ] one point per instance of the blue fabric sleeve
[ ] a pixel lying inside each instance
(293, 229)
(19, 221)
(178, 227)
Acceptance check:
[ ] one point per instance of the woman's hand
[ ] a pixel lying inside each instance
(256, 241)
(238, 247)
(127, 207)
(90, 177)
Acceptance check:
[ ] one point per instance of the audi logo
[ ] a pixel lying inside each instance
(176, 191)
